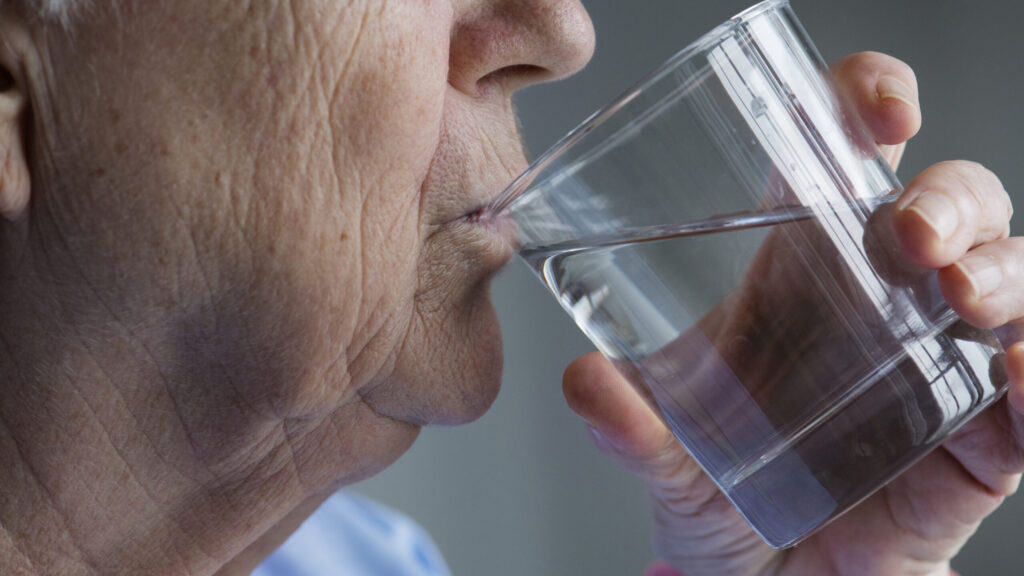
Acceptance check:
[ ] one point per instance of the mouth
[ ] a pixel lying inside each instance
(499, 224)
(477, 214)
(479, 238)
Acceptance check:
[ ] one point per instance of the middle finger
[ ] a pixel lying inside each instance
(883, 90)
(986, 286)
(948, 209)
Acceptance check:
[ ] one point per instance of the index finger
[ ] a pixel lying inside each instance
(596, 391)
(883, 91)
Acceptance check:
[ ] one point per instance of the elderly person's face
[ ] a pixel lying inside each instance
(281, 197)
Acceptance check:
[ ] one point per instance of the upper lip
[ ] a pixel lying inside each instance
(499, 224)
(479, 212)
(479, 208)
(468, 185)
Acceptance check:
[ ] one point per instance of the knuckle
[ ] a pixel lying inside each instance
(981, 316)
(1006, 309)
(871, 64)
(975, 188)
(986, 313)
(966, 173)
(903, 69)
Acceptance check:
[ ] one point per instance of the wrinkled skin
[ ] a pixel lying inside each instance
(240, 258)
(954, 217)
(240, 267)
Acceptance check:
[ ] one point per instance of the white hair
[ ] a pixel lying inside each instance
(52, 7)
(50, 10)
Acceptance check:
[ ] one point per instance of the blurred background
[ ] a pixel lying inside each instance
(522, 491)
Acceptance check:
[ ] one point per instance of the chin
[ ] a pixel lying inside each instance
(476, 400)
(446, 375)
(475, 381)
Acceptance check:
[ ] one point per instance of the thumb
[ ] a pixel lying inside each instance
(622, 422)
(628, 429)
(696, 528)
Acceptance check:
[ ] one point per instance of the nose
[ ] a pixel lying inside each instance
(506, 45)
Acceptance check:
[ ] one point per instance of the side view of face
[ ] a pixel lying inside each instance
(279, 199)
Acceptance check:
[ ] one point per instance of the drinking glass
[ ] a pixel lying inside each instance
(721, 233)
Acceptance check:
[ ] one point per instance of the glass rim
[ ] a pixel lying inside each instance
(526, 179)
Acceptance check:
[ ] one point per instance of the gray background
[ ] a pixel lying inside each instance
(522, 491)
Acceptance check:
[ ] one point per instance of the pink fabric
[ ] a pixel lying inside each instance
(662, 569)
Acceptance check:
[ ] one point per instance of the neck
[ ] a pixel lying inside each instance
(120, 453)
(102, 473)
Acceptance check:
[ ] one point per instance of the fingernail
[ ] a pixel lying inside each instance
(1016, 352)
(890, 87)
(984, 273)
(938, 212)
(1015, 359)
(1015, 371)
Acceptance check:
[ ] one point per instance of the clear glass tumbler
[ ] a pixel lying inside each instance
(721, 233)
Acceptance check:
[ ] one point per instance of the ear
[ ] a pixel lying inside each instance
(14, 169)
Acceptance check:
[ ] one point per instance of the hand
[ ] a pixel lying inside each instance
(953, 217)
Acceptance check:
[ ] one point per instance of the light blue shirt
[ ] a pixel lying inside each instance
(352, 536)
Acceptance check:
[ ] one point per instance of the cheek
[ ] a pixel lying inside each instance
(388, 105)
(388, 118)
(385, 116)
(449, 368)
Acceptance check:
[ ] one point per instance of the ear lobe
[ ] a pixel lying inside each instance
(14, 171)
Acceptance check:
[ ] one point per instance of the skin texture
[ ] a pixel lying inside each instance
(953, 217)
(238, 261)
(240, 267)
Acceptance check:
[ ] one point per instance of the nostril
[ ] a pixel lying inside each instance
(518, 73)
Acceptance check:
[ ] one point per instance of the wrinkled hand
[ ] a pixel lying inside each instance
(953, 217)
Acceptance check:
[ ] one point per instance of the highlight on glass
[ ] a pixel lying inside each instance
(720, 233)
